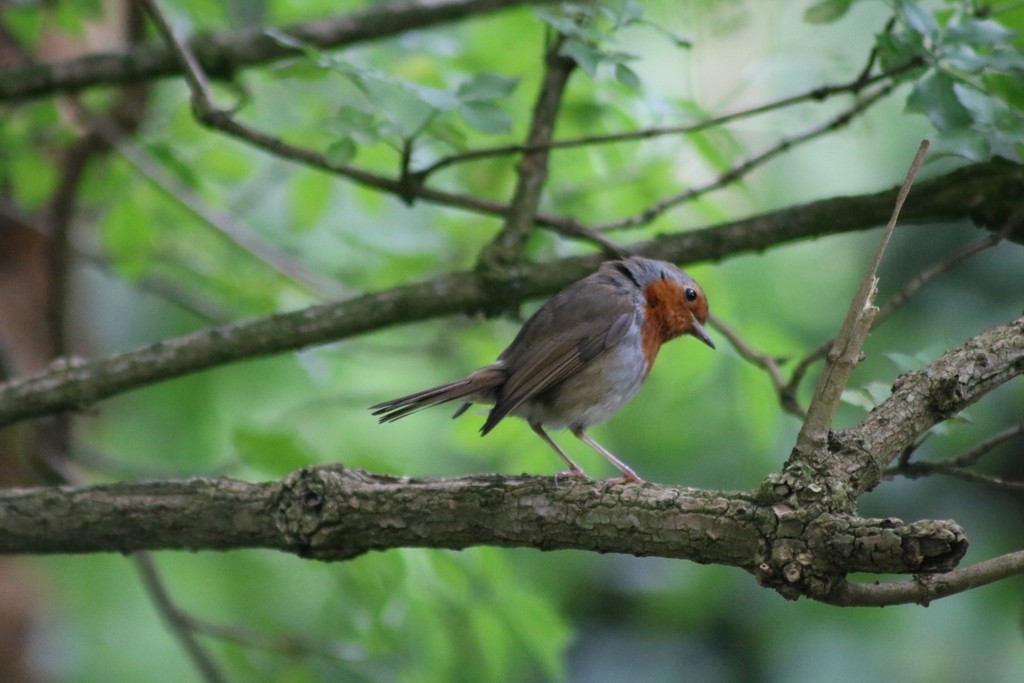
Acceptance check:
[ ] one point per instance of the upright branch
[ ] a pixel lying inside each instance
(846, 350)
(507, 248)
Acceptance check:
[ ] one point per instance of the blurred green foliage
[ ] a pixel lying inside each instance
(150, 269)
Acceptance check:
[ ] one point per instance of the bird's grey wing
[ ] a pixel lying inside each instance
(561, 338)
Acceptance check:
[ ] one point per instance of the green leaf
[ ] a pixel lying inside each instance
(356, 123)
(631, 12)
(404, 105)
(965, 144)
(980, 32)
(917, 19)
(130, 237)
(340, 152)
(543, 632)
(312, 53)
(1006, 60)
(677, 39)
(905, 362)
(493, 645)
(486, 118)
(441, 100)
(827, 11)
(275, 452)
(983, 108)
(896, 49)
(626, 76)
(964, 58)
(586, 56)
(867, 396)
(449, 133)
(933, 96)
(483, 87)
(579, 26)
(309, 198)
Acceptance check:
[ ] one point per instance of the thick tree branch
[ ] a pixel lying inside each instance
(332, 513)
(987, 192)
(855, 459)
(795, 537)
(223, 54)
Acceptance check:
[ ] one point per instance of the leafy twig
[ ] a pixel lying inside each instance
(507, 248)
(818, 94)
(208, 113)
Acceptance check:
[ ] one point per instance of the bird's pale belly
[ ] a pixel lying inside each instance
(594, 394)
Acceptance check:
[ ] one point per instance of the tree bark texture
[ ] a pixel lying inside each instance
(333, 513)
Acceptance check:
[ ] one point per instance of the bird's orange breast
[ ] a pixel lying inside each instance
(665, 317)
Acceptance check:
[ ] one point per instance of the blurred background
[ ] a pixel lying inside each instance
(141, 265)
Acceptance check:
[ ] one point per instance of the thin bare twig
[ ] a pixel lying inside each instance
(176, 619)
(741, 170)
(226, 53)
(185, 627)
(819, 94)
(764, 361)
(915, 470)
(898, 300)
(924, 277)
(74, 384)
(925, 588)
(971, 457)
(288, 644)
(958, 466)
(223, 224)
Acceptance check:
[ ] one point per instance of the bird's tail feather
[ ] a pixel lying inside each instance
(479, 382)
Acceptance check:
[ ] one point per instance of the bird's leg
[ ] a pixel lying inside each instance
(628, 475)
(574, 469)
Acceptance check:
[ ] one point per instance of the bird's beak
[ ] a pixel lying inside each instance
(700, 333)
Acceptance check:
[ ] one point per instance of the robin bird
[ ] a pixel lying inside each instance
(581, 356)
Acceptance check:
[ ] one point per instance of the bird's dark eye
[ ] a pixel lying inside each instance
(691, 294)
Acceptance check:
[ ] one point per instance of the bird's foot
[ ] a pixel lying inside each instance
(624, 479)
(575, 473)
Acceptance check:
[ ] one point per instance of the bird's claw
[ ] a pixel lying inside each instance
(572, 474)
(624, 479)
